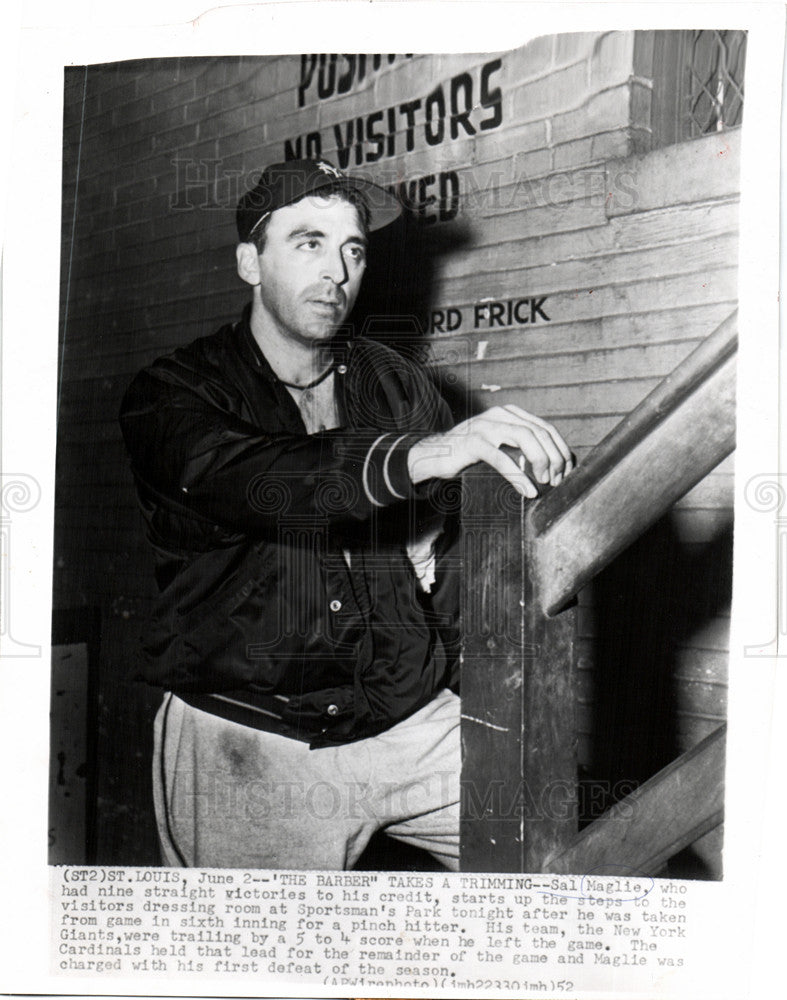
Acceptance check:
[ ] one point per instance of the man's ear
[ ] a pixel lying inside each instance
(248, 263)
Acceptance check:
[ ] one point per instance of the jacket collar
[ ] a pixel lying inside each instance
(249, 348)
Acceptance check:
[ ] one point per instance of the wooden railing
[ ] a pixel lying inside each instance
(523, 564)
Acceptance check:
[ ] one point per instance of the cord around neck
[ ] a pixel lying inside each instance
(314, 382)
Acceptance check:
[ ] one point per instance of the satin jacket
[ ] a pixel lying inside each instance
(287, 600)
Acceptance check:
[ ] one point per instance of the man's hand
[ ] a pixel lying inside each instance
(546, 456)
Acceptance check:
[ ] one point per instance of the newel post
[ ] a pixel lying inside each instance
(519, 798)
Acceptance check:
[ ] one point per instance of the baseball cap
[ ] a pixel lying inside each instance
(284, 183)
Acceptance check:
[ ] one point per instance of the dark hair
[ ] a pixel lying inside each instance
(348, 194)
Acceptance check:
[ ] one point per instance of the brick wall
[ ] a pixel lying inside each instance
(529, 178)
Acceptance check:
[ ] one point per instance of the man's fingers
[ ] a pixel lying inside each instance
(553, 433)
(536, 446)
(533, 438)
(557, 463)
(555, 436)
(507, 468)
(546, 457)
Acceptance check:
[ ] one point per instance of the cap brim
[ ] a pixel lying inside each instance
(384, 208)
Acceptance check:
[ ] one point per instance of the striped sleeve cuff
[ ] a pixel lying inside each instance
(385, 475)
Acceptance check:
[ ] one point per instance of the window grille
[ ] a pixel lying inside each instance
(697, 82)
(715, 97)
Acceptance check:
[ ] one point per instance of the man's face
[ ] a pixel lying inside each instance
(311, 267)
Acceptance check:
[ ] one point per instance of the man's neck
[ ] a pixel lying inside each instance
(293, 361)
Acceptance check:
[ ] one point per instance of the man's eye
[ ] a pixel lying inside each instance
(309, 244)
(356, 254)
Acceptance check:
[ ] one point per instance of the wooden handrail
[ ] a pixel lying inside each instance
(663, 448)
(712, 352)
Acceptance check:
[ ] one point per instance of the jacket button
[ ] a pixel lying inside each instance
(341, 369)
(335, 605)
(332, 710)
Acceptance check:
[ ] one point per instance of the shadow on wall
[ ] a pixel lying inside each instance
(397, 295)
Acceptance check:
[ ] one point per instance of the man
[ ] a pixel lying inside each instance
(286, 473)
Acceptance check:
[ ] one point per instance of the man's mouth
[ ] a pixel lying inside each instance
(328, 304)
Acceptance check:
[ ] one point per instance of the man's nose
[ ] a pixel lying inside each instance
(334, 267)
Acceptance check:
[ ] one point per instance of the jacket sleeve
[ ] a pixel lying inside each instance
(192, 453)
